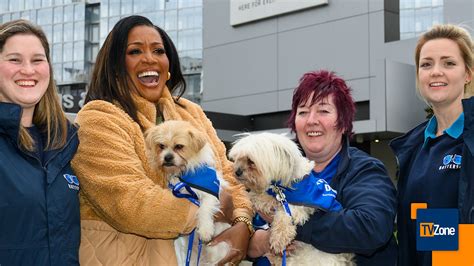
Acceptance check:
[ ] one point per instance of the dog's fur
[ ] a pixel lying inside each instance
(262, 158)
(174, 147)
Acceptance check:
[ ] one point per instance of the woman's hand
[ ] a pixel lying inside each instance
(238, 238)
(259, 244)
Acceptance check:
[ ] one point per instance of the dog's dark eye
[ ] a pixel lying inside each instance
(178, 147)
(250, 162)
(162, 146)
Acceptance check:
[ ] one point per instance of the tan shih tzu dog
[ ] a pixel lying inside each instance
(261, 160)
(176, 148)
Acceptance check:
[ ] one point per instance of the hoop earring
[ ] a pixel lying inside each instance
(169, 76)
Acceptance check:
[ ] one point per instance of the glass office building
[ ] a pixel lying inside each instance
(416, 16)
(77, 28)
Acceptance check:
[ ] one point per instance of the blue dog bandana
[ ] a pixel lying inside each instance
(311, 192)
(203, 178)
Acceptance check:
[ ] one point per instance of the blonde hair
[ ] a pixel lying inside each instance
(457, 34)
(48, 116)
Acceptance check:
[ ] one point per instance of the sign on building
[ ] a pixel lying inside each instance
(243, 11)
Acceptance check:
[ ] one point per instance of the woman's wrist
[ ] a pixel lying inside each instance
(246, 221)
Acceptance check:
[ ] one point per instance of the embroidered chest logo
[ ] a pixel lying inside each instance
(451, 161)
(73, 183)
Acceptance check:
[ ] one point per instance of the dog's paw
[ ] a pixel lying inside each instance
(205, 233)
(282, 233)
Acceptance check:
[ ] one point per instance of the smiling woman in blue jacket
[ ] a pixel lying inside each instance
(321, 116)
(39, 206)
(435, 158)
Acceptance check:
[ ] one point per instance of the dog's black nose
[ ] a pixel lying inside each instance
(169, 158)
(238, 172)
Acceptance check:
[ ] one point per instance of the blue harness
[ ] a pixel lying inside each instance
(311, 192)
(203, 178)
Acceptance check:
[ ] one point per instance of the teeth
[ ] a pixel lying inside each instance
(314, 134)
(148, 73)
(25, 82)
(438, 84)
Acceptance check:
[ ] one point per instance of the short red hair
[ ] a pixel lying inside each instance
(324, 83)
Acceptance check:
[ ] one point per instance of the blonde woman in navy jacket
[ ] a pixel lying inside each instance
(435, 158)
(39, 205)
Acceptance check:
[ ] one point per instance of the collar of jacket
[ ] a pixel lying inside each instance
(345, 159)
(10, 119)
(412, 138)
(409, 140)
(468, 109)
(147, 110)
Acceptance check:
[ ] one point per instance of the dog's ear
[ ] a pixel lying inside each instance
(148, 135)
(199, 139)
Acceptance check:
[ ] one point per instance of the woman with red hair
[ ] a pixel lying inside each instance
(321, 116)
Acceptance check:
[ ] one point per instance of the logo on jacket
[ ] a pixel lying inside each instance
(451, 161)
(73, 183)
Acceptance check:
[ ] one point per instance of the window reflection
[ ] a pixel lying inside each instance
(78, 51)
(79, 28)
(416, 16)
(67, 52)
(126, 8)
(143, 6)
(68, 13)
(25, 15)
(58, 14)
(45, 16)
(57, 53)
(79, 12)
(171, 20)
(4, 6)
(68, 32)
(171, 4)
(114, 7)
(190, 18)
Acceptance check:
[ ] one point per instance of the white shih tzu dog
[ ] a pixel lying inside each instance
(177, 149)
(263, 160)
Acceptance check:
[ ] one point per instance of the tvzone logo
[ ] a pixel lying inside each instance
(432, 230)
(437, 229)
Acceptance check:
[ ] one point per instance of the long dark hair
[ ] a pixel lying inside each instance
(110, 78)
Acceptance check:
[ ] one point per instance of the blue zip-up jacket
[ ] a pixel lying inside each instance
(39, 207)
(365, 225)
(405, 148)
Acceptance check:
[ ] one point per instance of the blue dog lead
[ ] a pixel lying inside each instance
(280, 196)
(203, 178)
(191, 196)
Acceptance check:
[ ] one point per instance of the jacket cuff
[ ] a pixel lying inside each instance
(241, 212)
(303, 234)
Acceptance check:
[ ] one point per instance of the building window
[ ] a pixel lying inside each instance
(417, 16)
(193, 87)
